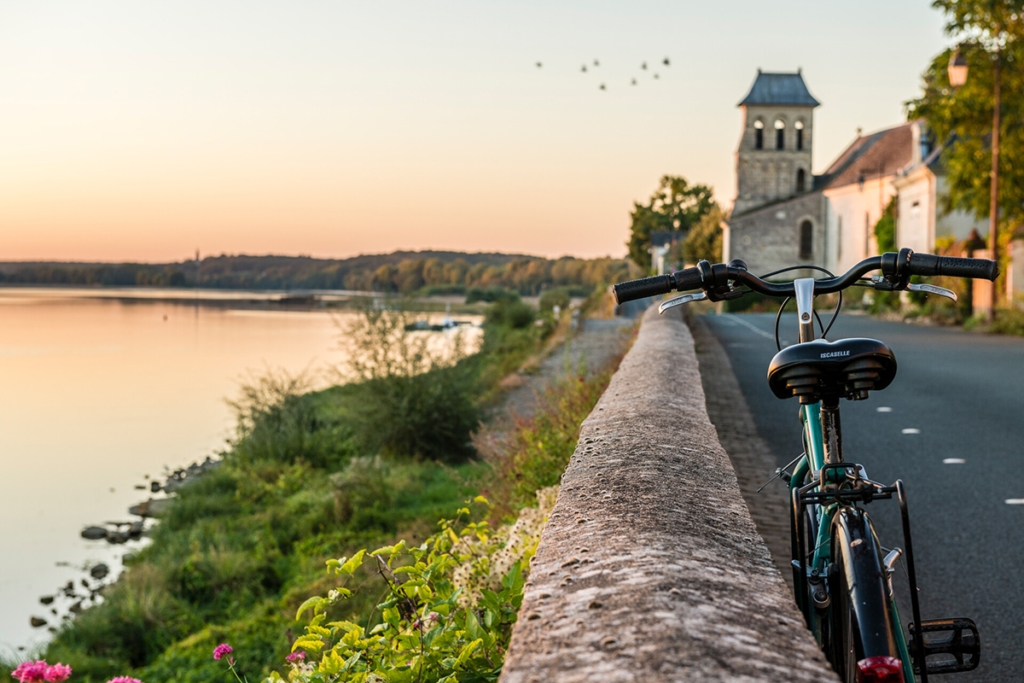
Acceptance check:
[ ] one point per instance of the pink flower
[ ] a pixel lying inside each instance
(296, 657)
(124, 679)
(31, 672)
(58, 673)
(221, 650)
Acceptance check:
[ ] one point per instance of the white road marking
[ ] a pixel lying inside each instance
(749, 325)
(953, 461)
(884, 409)
(911, 430)
(1015, 501)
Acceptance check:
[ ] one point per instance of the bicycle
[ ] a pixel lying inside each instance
(842, 583)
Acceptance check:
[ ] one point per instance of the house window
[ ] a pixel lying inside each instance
(780, 134)
(801, 179)
(806, 240)
(799, 134)
(758, 135)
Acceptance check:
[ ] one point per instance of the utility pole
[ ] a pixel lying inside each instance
(993, 209)
(957, 77)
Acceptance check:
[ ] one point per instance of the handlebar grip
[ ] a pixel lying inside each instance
(977, 268)
(632, 290)
(653, 286)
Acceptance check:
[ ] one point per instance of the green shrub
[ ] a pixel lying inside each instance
(511, 313)
(446, 614)
(430, 415)
(885, 228)
(362, 493)
(1009, 321)
(278, 420)
(504, 350)
(414, 399)
(257, 639)
(490, 295)
(442, 290)
(559, 296)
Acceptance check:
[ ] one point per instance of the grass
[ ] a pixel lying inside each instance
(246, 543)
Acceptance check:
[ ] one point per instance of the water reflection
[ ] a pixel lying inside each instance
(98, 393)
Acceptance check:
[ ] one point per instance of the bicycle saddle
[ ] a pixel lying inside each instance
(846, 368)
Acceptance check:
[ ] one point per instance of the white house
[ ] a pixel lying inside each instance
(858, 188)
(921, 186)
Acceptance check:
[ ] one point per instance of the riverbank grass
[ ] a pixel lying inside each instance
(303, 483)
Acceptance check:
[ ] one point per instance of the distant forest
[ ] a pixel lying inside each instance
(401, 271)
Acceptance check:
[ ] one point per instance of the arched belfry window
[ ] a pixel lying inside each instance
(758, 134)
(780, 134)
(799, 134)
(801, 179)
(806, 240)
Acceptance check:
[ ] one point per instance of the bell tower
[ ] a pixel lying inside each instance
(773, 161)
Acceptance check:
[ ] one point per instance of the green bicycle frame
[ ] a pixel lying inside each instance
(811, 464)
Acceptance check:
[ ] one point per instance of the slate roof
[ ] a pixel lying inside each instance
(879, 154)
(779, 88)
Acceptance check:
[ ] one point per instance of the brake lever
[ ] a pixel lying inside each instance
(933, 289)
(680, 300)
(881, 282)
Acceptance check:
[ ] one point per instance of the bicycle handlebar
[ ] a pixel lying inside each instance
(896, 269)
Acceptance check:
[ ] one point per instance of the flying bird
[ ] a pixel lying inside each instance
(539, 65)
(584, 68)
(657, 76)
(634, 82)
(644, 65)
(597, 63)
(665, 62)
(602, 87)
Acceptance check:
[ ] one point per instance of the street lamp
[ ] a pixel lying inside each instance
(957, 69)
(957, 77)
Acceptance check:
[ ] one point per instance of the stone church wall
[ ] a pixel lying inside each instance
(769, 238)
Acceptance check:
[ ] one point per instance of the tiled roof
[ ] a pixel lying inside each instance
(779, 88)
(870, 156)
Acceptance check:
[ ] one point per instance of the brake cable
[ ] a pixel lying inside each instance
(778, 316)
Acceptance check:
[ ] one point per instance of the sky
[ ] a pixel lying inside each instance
(143, 131)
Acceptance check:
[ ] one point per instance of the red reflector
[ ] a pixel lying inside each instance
(879, 670)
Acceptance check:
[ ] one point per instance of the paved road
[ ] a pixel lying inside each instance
(965, 393)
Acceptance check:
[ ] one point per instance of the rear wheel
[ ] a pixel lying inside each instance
(862, 625)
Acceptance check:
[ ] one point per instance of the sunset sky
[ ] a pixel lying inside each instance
(144, 130)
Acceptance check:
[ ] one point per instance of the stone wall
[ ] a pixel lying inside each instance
(650, 568)
(769, 238)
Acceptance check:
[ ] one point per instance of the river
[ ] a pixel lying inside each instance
(100, 391)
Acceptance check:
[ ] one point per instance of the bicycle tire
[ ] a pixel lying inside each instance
(862, 623)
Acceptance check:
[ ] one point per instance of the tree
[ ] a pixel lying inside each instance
(705, 239)
(992, 35)
(675, 206)
(962, 120)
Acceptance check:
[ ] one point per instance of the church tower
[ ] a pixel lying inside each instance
(773, 161)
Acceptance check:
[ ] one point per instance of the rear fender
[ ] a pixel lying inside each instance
(854, 539)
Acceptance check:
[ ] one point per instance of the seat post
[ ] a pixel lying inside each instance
(831, 430)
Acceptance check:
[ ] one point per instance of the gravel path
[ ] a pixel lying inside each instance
(593, 347)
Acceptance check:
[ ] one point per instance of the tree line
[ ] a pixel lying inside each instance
(401, 272)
